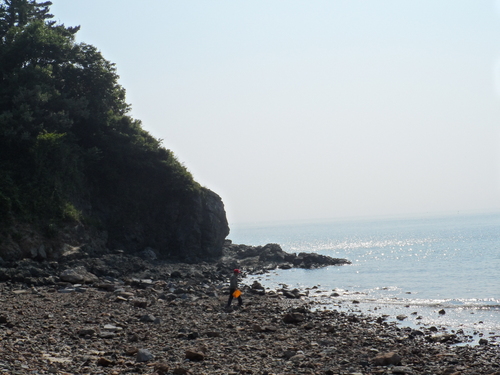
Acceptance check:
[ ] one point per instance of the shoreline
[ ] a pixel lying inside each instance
(405, 312)
(121, 314)
(180, 326)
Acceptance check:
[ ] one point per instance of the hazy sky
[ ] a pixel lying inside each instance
(295, 110)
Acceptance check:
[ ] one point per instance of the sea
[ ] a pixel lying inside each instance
(441, 271)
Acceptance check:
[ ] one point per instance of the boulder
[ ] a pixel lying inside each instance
(78, 275)
(272, 253)
(257, 285)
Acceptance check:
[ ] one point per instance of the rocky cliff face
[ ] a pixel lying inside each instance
(191, 227)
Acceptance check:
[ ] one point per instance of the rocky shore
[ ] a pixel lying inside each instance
(121, 314)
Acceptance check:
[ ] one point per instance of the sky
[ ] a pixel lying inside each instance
(311, 110)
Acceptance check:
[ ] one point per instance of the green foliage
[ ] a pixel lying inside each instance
(70, 212)
(20, 12)
(65, 136)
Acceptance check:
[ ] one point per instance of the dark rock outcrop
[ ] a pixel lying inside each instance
(271, 256)
(77, 265)
(189, 227)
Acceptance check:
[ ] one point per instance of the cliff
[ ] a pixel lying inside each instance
(191, 228)
(77, 173)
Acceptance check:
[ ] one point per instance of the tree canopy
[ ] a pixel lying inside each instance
(65, 132)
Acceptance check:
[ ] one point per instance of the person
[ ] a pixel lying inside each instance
(233, 285)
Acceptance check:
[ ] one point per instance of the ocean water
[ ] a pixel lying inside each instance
(414, 267)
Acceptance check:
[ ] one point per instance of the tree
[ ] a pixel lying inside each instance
(64, 124)
(20, 12)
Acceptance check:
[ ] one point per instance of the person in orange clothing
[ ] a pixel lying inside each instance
(233, 286)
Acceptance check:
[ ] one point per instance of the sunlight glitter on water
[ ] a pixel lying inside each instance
(424, 263)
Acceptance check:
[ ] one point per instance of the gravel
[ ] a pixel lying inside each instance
(180, 325)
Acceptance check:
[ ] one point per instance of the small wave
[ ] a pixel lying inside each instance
(493, 305)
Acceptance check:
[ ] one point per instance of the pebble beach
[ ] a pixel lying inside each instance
(180, 325)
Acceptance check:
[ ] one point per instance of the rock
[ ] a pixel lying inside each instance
(483, 342)
(66, 290)
(272, 252)
(162, 369)
(257, 285)
(133, 337)
(148, 254)
(298, 358)
(401, 317)
(104, 362)
(353, 318)
(144, 355)
(308, 326)
(180, 371)
(140, 303)
(387, 359)
(131, 350)
(194, 356)
(78, 275)
(289, 294)
(293, 318)
(176, 274)
(319, 260)
(68, 252)
(270, 328)
(107, 335)
(142, 283)
(445, 337)
(441, 312)
(39, 253)
(86, 332)
(111, 328)
(257, 328)
(416, 333)
(213, 334)
(148, 318)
